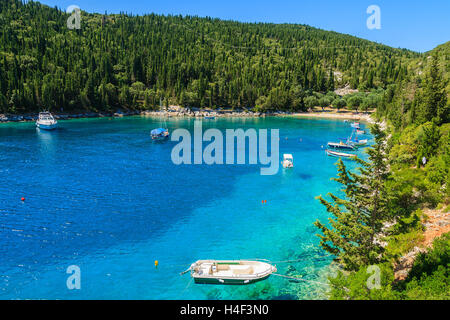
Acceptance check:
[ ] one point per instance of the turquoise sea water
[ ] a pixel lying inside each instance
(100, 195)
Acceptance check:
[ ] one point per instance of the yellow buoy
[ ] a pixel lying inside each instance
(156, 263)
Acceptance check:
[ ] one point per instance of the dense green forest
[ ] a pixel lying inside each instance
(383, 215)
(125, 61)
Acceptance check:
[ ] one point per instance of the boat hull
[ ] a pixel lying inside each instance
(46, 126)
(340, 154)
(159, 138)
(340, 146)
(360, 143)
(225, 281)
(230, 272)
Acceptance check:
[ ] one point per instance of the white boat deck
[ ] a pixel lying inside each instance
(233, 269)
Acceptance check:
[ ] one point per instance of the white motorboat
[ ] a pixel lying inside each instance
(355, 125)
(237, 272)
(288, 161)
(340, 145)
(340, 154)
(359, 143)
(46, 121)
(159, 134)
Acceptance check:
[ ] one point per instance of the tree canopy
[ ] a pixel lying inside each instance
(122, 60)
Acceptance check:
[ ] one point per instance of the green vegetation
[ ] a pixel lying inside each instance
(124, 61)
(427, 280)
(418, 157)
(359, 217)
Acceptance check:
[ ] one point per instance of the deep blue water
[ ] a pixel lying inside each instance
(100, 195)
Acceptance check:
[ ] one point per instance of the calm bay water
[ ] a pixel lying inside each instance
(100, 195)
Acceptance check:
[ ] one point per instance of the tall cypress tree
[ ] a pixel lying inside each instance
(433, 98)
(354, 230)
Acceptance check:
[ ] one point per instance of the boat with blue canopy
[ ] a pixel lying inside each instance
(159, 134)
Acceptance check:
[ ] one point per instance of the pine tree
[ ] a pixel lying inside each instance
(429, 142)
(356, 225)
(331, 81)
(433, 98)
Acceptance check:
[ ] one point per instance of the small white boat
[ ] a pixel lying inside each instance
(359, 131)
(238, 272)
(46, 121)
(288, 161)
(360, 143)
(340, 145)
(159, 134)
(340, 154)
(355, 125)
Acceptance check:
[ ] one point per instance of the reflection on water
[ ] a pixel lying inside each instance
(47, 143)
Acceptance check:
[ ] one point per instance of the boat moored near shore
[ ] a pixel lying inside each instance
(340, 154)
(288, 161)
(159, 134)
(234, 272)
(46, 121)
(340, 145)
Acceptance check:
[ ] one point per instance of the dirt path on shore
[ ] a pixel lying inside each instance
(436, 224)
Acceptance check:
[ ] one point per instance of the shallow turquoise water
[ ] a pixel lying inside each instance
(100, 195)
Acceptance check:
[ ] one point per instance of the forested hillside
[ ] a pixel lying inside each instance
(132, 61)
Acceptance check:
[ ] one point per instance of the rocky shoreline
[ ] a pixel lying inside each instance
(169, 113)
(174, 111)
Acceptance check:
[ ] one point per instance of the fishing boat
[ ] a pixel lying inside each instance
(356, 142)
(355, 125)
(340, 154)
(235, 272)
(359, 131)
(46, 121)
(160, 134)
(359, 143)
(288, 161)
(341, 145)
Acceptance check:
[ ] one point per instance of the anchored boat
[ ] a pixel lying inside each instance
(288, 161)
(359, 143)
(46, 121)
(340, 154)
(235, 272)
(355, 125)
(159, 134)
(340, 145)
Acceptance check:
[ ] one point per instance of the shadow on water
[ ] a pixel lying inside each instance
(95, 183)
